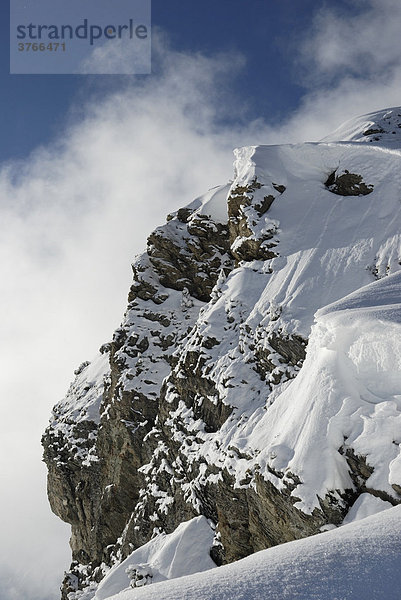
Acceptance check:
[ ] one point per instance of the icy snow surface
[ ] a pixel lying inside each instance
(360, 561)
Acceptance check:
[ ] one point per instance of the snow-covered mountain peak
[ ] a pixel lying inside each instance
(256, 377)
(380, 127)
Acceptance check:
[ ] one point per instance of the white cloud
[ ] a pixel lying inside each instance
(350, 63)
(118, 57)
(72, 217)
(362, 45)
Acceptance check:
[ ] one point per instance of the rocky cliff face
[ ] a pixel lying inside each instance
(192, 408)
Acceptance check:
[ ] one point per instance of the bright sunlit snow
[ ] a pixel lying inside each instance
(183, 552)
(360, 561)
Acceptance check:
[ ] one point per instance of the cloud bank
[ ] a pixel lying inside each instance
(74, 214)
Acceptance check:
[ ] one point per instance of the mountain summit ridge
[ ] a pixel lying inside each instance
(229, 391)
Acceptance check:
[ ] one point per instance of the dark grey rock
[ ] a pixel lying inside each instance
(347, 184)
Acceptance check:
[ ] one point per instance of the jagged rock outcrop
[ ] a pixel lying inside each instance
(97, 495)
(244, 216)
(202, 404)
(347, 184)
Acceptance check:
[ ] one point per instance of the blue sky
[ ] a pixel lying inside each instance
(34, 109)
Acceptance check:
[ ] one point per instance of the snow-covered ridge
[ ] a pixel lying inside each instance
(327, 243)
(379, 127)
(257, 371)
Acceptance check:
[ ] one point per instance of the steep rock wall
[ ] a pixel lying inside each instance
(165, 424)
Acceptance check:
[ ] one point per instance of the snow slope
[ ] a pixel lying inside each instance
(383, 127)
(328, 246)
(326, 242)
(360, 561)
(183, 552)
(347, 395)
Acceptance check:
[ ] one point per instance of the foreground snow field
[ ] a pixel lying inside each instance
(360, 561)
